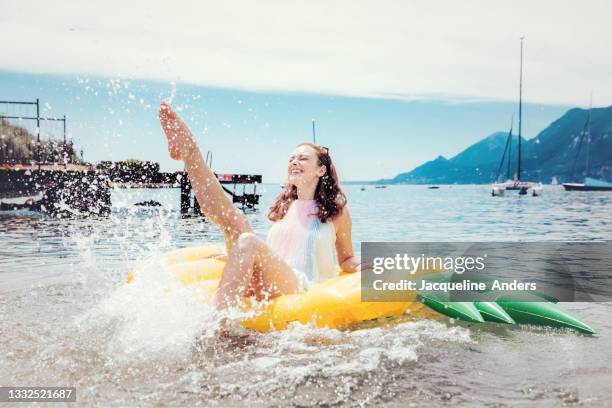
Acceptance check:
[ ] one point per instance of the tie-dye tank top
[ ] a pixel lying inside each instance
(305, 243)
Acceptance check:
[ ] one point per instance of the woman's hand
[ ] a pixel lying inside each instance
(352, 264)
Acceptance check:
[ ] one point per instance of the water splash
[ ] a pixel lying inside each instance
(172, 95)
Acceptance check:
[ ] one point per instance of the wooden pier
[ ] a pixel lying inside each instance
(244, 199)
(144, 174)
(86, 191)
(31, 171)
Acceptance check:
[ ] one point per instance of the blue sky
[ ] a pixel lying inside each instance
(391, 84)
(254, 132)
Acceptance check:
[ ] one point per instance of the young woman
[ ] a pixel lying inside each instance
(310, 218)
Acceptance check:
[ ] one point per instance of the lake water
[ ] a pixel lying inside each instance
(68, 319)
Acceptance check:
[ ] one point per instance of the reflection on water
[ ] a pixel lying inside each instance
(67, 318)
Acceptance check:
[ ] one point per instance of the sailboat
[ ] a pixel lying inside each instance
(516, 184)
(590, 183)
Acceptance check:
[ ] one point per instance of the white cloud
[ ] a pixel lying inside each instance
(451, 50)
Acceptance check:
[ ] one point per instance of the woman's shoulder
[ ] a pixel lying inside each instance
(342, 217)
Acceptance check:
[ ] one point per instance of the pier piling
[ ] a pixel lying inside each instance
(185, 193)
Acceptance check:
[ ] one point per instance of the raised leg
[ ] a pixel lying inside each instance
(252, 269)
(213, 200)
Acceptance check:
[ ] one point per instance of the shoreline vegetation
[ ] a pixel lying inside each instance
(19, 146)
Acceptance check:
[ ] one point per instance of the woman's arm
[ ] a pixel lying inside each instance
(344, 242)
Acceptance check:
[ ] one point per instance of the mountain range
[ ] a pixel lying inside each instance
(556, 151)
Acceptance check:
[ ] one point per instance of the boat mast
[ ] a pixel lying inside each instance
(588, 135)
(518, 173)
(581, 139)
(314, 134)
(506, 151)
(509, 177)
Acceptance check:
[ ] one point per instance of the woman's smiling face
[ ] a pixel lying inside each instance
(303, 167)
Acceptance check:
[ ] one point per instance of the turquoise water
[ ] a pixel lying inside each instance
(68, 319)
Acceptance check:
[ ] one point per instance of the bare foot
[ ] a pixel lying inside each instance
(180, 140)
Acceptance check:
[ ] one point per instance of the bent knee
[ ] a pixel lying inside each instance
(247, 240)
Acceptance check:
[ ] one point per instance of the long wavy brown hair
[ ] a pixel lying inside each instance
(330, 198)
